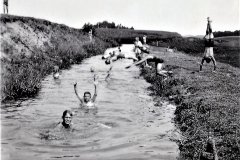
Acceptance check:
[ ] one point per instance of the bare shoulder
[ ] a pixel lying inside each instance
(58, 126)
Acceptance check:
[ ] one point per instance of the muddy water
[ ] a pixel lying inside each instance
(125, 125)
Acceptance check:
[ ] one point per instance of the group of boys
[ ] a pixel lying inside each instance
(142, 55)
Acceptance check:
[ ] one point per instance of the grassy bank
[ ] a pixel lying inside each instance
(30, 48)
(207, 104)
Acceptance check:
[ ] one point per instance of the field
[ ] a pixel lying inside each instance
(127, 36)
(227, 50)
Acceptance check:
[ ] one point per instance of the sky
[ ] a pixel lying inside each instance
(187, 17)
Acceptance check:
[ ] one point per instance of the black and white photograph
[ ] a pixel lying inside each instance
(120, 80)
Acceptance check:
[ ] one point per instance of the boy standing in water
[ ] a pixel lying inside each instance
(209, 42)
(139, 49)
(138, 45)
(87, 101)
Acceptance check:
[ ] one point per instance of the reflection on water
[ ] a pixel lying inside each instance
(124, 125)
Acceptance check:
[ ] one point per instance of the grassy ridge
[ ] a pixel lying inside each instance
(31, 47)
(207, 104)
(127, 36)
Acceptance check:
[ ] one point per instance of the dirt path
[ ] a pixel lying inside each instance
(207, 103)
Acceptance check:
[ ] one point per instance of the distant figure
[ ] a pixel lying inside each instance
(87, 101)
(67, 120)
(209, 43)
(140, 49)
(92, 69)
(138, 45)
(5, 6)
(90, 35)
(158, 63)
(56, 72)
(144, 39)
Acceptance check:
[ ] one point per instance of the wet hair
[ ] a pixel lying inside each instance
(92, 69)
(65, 113)
(87, 93)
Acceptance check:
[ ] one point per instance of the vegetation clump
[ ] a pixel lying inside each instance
(32, 47)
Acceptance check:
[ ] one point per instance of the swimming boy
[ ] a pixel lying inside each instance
(209, 43)
(66, 120)
(87, 101)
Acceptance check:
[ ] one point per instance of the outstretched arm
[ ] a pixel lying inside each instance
(214, 62)
(141, 61)
(95, 91)
(75, 89)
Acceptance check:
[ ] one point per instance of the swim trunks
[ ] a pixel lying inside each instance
(5, 3)
(121, 56)
(207, 59)
(156, 60)
(209, 43)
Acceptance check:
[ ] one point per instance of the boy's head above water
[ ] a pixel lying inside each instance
(87, 96)
(67, 118)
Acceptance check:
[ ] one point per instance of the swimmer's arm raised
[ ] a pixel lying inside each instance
(95, 92)
(75, 89)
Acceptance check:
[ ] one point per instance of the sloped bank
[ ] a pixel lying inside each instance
(30, 48)
(207, 104)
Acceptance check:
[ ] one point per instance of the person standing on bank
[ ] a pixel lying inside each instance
(5, 6)
(90, 35)
(144, 39)
(209, 43)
